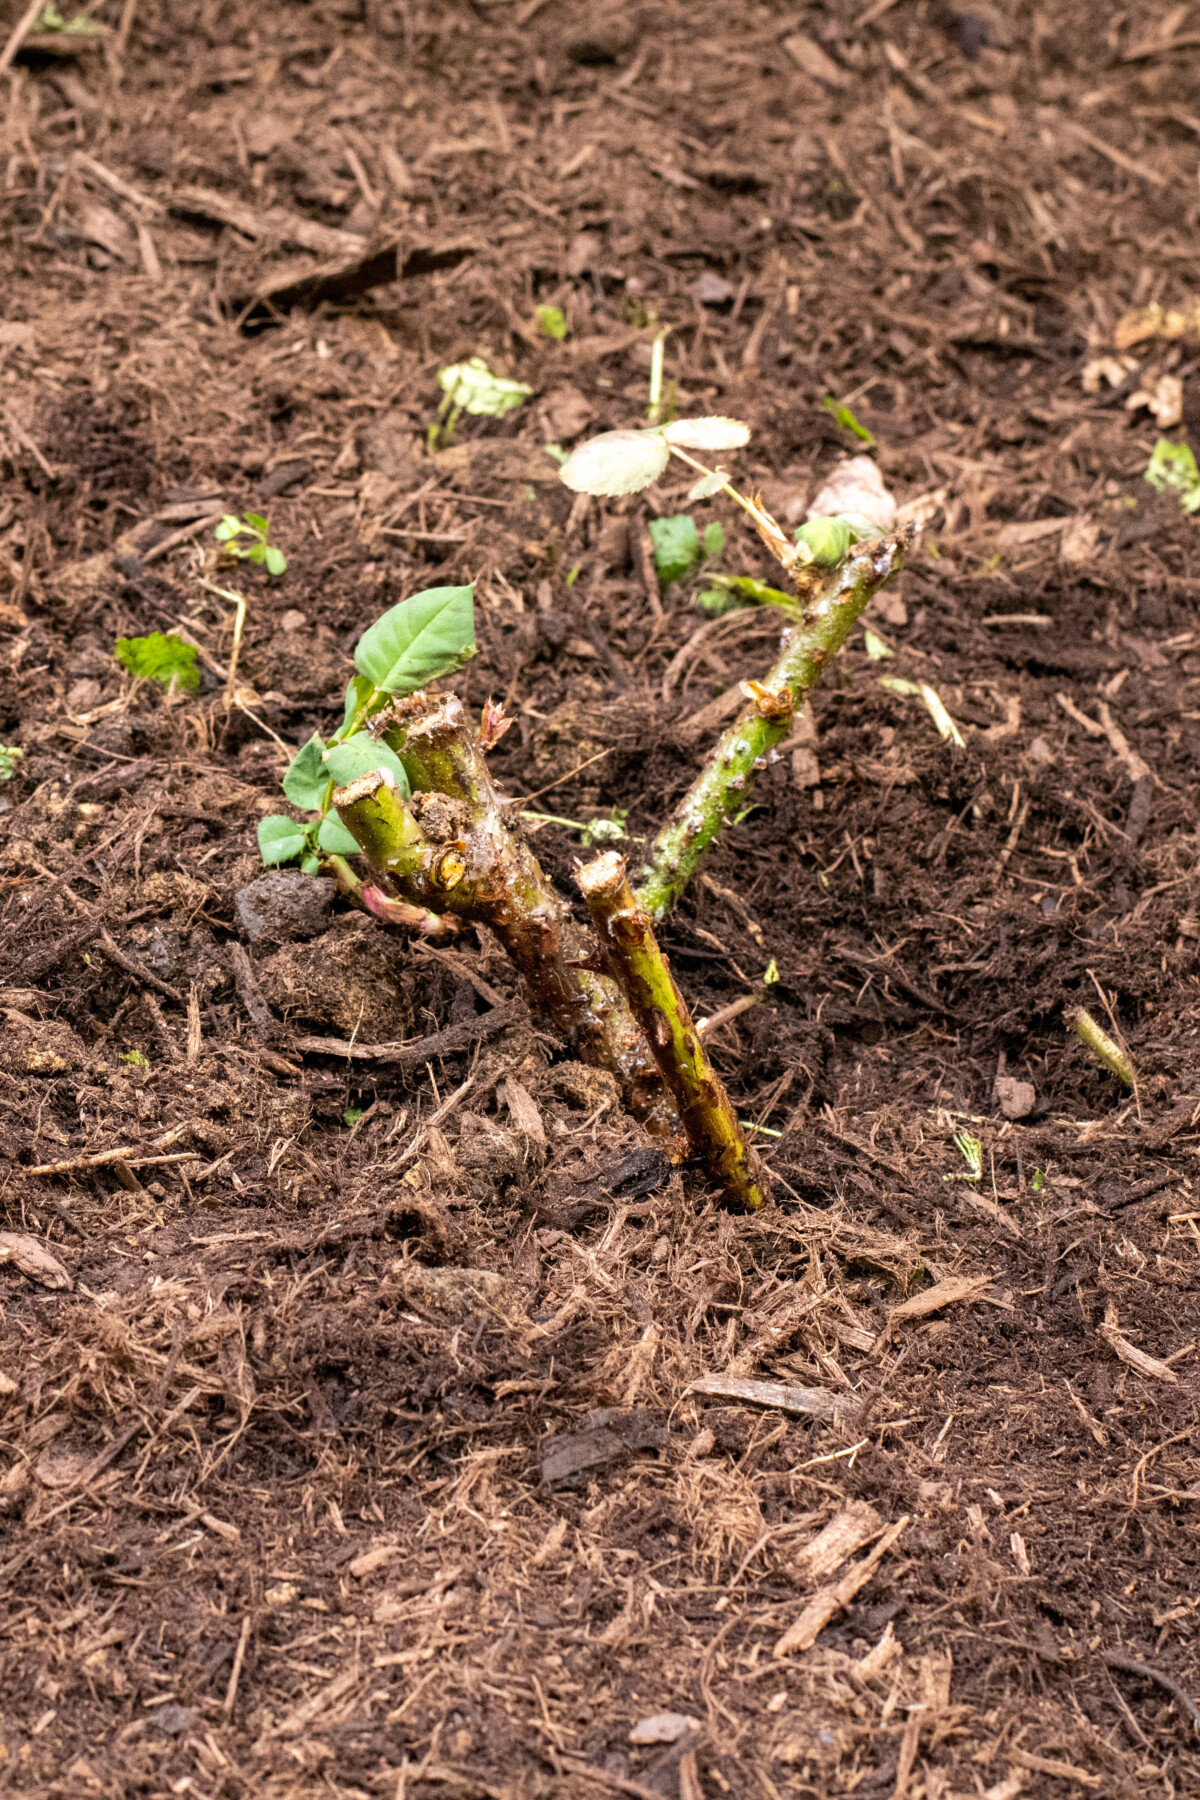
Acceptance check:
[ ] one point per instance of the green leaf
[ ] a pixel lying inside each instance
(280, 839)
(715, 602)
(136, 1057)
(707, 434)
(676, 547)
(1173, 466)
(362, 699)
(334, 839)
(876, 647)
(846, 419)
(310, 865)
(307, 777)
(708, 485)
(472, 387)
(51, 22)
(557, 452)
(616, 462)
(362, 755)
(276, 561)
(257, 553)
(829, 540)
(257, 521)
(551, 322)
(10, 756)
(352, 1115)
(714, 541)
(229, 527)
(428, 635)
(159, 657)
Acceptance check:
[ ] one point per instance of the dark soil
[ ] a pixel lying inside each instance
(359, 1456)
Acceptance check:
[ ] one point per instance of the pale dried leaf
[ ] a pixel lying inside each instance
(707, 434)
(33, 1259)
(855, 486)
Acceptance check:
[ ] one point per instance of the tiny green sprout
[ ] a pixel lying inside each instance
(160, 657)
(1173, 466)
(50, 23)
(771, 973)
(875, 646)
(557, 452)
(246, 539)
(830, 540)
(971, 1149)
(573, 574)
(844, 418)
(1038, 1181)
(676, 547)
(136, 1057)
(10, 756)
(470, 387)
(551, 322)
(352, 1115)
(608, 829)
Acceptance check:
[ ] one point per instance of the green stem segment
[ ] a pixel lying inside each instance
(1101, 1045)
(455, 848)
(833, 604)
(632, 954)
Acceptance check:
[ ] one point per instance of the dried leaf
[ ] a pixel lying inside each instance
(33, 1259)
(707, 434)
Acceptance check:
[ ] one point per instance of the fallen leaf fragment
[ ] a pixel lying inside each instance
(848, 1531)
(1129, 1353)
(33, 1259)
(954, 1291)
(855, 486)
(803, 1633)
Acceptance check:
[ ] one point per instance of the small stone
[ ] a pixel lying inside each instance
(663, 1728)
(712, 290)
(284, 906)
(1016, 1099)
(172, 1720)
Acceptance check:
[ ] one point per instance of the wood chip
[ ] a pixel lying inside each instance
(954, 1291)
(370, 1560)
(804, 1402)
(1049, 1765)
(847, 1532)
(1129, 1353)
(33, 1259)
(803, 1634)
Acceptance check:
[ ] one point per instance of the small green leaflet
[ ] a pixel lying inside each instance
(708, 485)
(1173, 466)
(160, 657)
(334, 839)
(714, 541)
(551, 322)
(728, 592)
(307, 777)
(428, 635)
(10, 756)
(616, 462)
(676, 547)
(846, 419)
(473, 388)
(361, 755)
(280, 840)
(362, 699)
(50, 21)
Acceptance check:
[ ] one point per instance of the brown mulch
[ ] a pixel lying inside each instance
(348, 1443)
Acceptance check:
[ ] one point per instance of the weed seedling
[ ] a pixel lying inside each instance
(10, 756)
(50, 23)
(1173, 467)
(843, 417)
(551, 322)
(470, 387)
(246, 539)
(971, 1149)
(160, 657)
